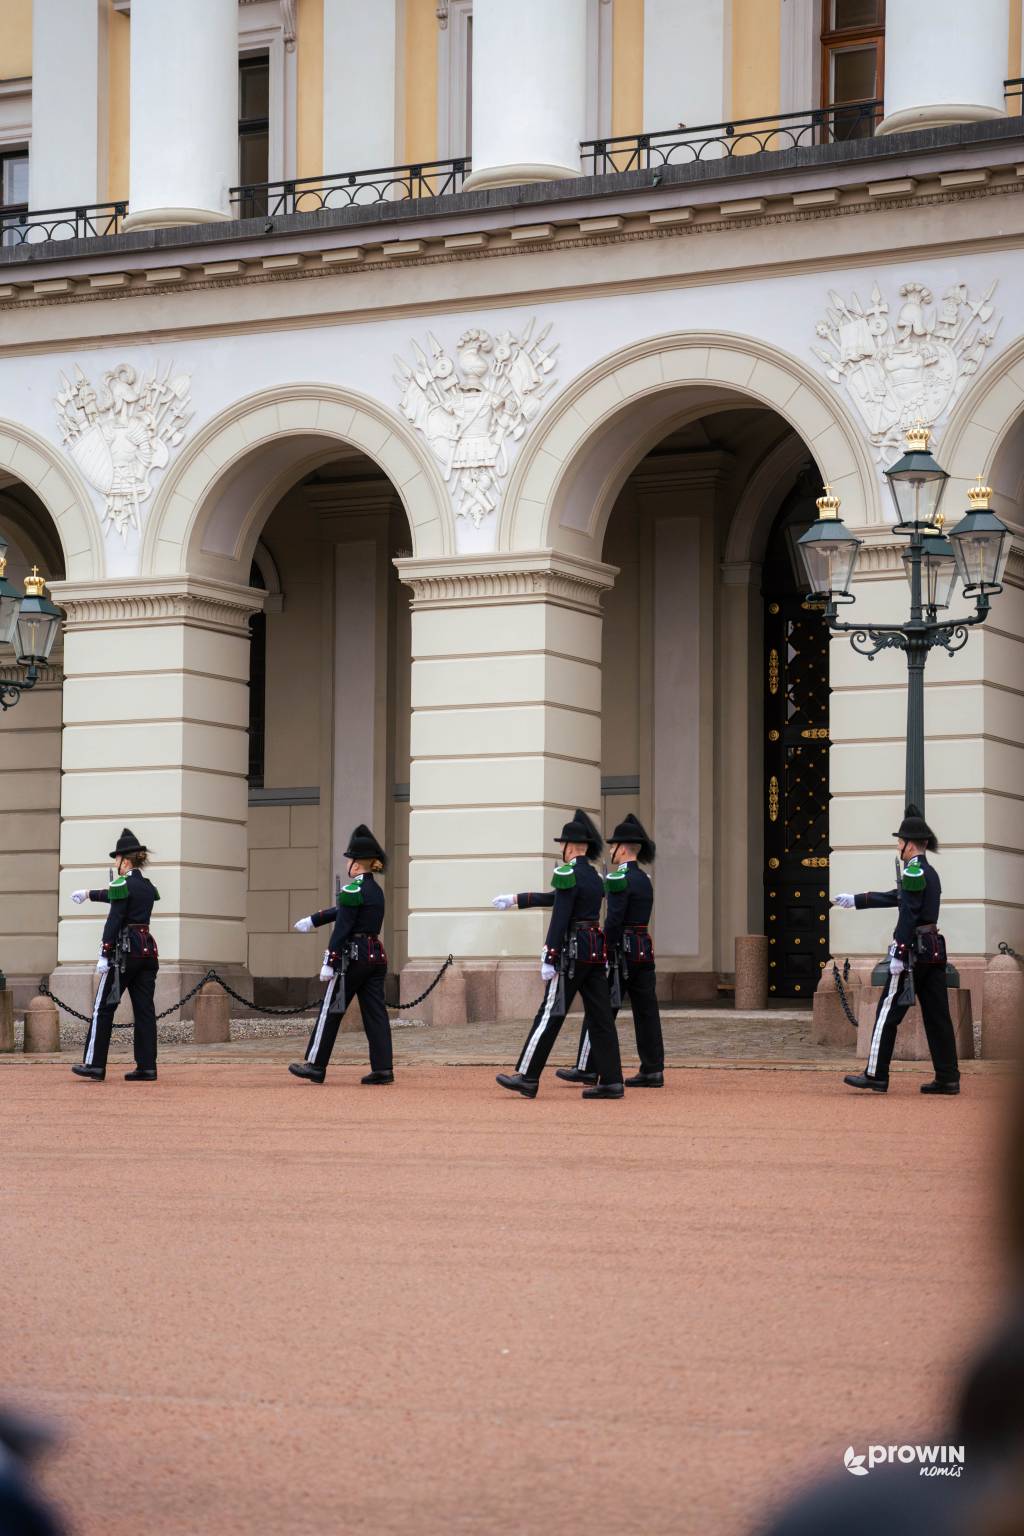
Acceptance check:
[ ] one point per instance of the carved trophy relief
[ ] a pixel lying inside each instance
(471, 408)
(123, 431)
(909, 366)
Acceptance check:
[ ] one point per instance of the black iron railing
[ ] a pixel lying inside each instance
(386, 184)
(32, 226)
(745, 136)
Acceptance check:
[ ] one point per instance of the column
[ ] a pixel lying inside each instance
(184, 111)
(506, 742)
(156, 712)
(68, 165)
(529, 91)
(943, 64)
(362, 77)
(687, 63)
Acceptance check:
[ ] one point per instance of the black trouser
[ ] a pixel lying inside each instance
(643, 1000)
(591, 982)
(930, 986)
(139, 981)
(365, 982)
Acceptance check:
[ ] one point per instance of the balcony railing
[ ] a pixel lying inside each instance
(350, 189)
(745, 136)
(33, 226)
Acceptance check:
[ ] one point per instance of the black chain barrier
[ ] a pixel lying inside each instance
(844, 1000)
(247, 1002)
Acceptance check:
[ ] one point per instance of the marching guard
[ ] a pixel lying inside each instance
(917, 962)
(630, 957)
(128, 962)
(355, 964)
(573, 960)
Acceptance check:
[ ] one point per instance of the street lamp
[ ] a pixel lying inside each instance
(31, 624)
(976, 551)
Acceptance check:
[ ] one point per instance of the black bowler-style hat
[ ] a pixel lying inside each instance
(582, 830)
(631, 831)
(127, 843)
(914, 829)
(363, 845)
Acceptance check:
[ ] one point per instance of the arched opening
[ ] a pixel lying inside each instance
(30, 764)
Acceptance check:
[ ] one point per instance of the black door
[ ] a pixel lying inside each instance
(796, 793)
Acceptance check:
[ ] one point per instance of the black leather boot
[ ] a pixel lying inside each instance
(575, 1075)
(517, 1083)
(950, 1089)
(373, 1078)
(95, 1074)
(307, 1070)
(861, 1080)
(646, 1080)
(605, 1091)
(141, 1075)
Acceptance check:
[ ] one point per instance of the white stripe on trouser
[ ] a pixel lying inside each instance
(325, 1009)
(584, 1051)
(90, 1044)
(883, 1014)
(542, 1024)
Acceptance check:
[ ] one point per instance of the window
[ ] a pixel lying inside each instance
(257, 687)
(852, 63)
(13, 187)
(253, 130)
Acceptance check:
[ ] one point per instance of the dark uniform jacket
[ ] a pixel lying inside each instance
(917, 899)
(360, 912)
(579, 902)
(131, 899)
(628, 907)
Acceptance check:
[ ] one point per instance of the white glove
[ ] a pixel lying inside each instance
(326, 973)
(79, 896)
(503, 903)
(304, 925)
(548, 972)
(896, 967)
(102, 965)
(844, 899)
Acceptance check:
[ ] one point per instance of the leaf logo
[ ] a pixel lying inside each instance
(854, 1463)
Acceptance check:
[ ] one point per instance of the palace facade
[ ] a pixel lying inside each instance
(414, 406)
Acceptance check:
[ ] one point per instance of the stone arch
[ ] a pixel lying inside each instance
(275, 437)
(567, 478)
(979, 431)
(27, 457)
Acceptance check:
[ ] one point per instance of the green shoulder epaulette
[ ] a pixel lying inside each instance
(118, 889)
(564, 877)
(616, 881)
(913, 876)
(351, 895)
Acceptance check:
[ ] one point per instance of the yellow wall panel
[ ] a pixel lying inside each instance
(1015, 55)
(420, 80)
(310, 80)
(118, 117)
(628, 66)
(15, 39)
(756, 28)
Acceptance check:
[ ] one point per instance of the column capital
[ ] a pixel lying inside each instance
(145, 601)
(520, 576)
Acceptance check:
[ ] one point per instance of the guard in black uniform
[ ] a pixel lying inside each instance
(355, 964)
(917, 962)
(128, 962)
(573, 961)
(630, 957)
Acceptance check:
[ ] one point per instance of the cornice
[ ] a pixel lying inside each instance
(148, 601)
(531, 576)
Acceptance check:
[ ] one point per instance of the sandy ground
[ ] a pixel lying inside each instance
(260, 1306)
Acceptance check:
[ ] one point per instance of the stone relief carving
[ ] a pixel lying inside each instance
(123, 431)
(470, 410)
(906, 367)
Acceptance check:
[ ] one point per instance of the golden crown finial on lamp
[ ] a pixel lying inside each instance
(35, 586)
(979, 496)
(828, 503)
(918, 437)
